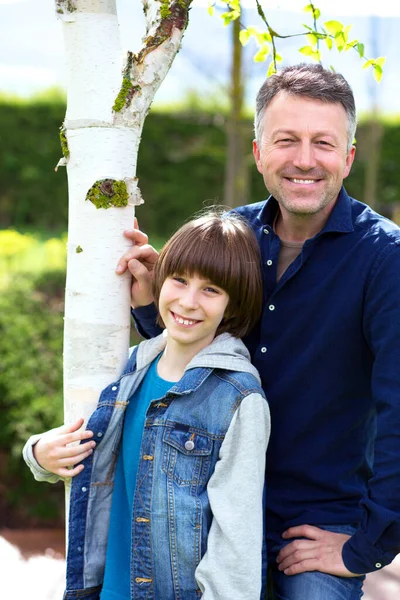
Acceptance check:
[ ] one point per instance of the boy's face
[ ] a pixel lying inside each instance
(192, 309)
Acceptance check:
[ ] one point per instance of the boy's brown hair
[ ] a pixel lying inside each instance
(222, 248)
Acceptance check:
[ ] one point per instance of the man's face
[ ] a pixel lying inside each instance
(303, 153)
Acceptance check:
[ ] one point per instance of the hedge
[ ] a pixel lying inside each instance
(180, 168)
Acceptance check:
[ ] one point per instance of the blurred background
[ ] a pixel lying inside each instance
(195, 151)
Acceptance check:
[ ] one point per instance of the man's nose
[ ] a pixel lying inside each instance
(304, 158)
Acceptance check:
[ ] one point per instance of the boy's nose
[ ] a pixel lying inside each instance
(189, 299)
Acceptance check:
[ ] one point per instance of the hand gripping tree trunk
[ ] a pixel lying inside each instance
(100, 139)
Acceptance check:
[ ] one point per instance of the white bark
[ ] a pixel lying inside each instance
(103, 144)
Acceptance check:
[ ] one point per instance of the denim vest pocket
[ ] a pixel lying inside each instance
(186, 455)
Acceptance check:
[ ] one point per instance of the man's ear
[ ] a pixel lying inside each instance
(349, 161)
(257, 156)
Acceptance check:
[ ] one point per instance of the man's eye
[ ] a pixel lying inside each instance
(285, 141)
(323, 143)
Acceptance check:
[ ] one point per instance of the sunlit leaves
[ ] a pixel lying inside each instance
(309, 51)
(377, 65)
(310, 8)
(333, 33)
(233, 13)
(262, 53)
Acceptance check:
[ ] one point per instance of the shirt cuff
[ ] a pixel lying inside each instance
(145, 320)
(360, 557)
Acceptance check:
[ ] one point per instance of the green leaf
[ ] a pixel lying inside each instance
(368, 63)
(340, 42)
(211, 9)
(310, 8)
(360, 49)
(244, 36)
(312, 39)
(346, 31)
(306, 50)
(378, 72)
(230, 16)
(334, 27)
(380, 61)
(307, 27)
(271, 69)
(278, 57)
(329, 43)
(262, 53)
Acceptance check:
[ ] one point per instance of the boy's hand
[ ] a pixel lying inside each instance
(139, 260)
(54, 454)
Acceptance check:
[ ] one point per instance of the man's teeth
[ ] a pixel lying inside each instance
(184, 321)
(303, 181)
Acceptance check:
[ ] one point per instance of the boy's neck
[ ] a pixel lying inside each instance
(174, 360)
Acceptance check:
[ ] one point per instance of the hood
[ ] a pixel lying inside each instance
(225, 352)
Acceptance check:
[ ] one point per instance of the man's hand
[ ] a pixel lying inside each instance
(320, 551)
(54, 453)
(140, 260)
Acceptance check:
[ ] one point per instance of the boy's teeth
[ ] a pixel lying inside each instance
(184, 321)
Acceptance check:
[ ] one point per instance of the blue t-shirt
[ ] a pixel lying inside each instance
(116, 585)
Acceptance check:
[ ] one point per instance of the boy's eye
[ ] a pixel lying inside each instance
(179, 279)
(212, 290)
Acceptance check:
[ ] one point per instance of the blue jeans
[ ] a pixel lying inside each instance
(314, 585)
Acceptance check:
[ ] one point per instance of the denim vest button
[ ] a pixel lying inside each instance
(378, 565)
(189, 445)
(114, 387)
(99, 434)
(84, 489)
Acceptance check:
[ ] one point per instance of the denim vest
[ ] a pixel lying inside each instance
(180, 446)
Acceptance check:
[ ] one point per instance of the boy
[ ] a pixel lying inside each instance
(169, 504)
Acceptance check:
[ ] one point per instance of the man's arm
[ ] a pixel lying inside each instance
(377, 540)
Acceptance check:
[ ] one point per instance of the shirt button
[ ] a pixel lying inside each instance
(378, 565)
(269, 262)
(114, 387)
(189, 445)
(271, 307)
(263, 349)
(266, 231)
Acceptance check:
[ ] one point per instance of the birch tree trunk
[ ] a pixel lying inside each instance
(108, 98)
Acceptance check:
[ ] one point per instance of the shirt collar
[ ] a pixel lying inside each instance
(339, 220)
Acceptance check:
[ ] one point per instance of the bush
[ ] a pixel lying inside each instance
(31, 333)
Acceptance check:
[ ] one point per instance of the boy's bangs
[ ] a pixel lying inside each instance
(203, 256)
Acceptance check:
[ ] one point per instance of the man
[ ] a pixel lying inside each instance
(327, 346)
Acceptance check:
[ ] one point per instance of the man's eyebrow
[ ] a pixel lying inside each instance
(284, 131)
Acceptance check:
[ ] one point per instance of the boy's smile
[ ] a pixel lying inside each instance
(192, 309)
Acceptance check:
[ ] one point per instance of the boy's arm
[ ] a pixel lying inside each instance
(54, 455)
(232, 565)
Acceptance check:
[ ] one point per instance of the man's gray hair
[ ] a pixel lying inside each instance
(309, 81)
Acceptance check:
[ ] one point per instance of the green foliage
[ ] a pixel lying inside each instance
(31, 193)
(333, 32)
(181, 167)
(31, 323)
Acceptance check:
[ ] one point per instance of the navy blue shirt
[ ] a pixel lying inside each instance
(328, 352)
